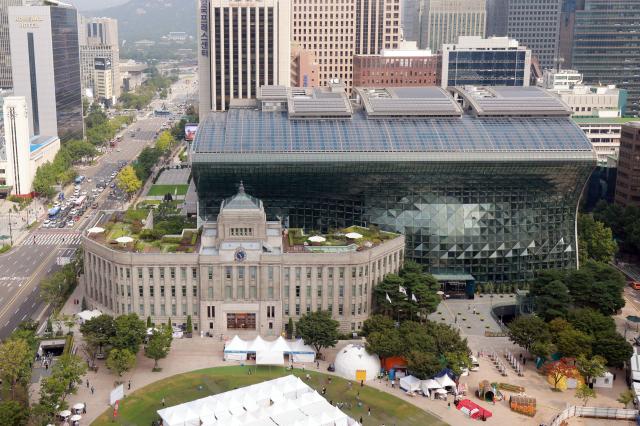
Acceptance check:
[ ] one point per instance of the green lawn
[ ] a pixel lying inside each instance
(140, 407)
(161, 190)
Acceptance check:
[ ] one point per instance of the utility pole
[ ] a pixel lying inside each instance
(10, 229)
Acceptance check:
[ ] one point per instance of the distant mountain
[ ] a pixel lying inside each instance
(85, 5)
(151, 19)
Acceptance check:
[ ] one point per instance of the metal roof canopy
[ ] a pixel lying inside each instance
(408, 101)
(505, 101)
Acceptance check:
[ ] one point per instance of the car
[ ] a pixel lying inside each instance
(84, 193)
(61, 225)
(113, 185)
(94, 206)
(636, 340)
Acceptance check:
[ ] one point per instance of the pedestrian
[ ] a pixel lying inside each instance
(448, 405)
(92, 390)
(46, 365)
(324, 390)
(393, 383)
(361, 383)
(87, 383)
(369, 411)
(129, 385)
(163, 404)
(84, 408)
(361, 422)
(524, 361)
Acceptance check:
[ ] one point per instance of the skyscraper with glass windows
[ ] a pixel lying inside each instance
(5, 51)
(446, 20)
(46, 68)
(606, 46)
(536, 24)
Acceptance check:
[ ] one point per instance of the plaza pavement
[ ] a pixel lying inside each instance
(198, 353)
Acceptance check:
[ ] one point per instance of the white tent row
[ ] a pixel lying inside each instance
(286, 401)
(85, 316)
(268, 352)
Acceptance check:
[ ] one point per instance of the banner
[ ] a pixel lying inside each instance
(190, 130)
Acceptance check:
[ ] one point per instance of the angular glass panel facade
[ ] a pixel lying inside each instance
(487, 68)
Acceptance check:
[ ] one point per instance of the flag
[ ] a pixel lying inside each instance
(402, 290)
(388, 298)
(413, 298)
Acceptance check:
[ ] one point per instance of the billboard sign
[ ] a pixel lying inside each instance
(102, 64)
(190, 130)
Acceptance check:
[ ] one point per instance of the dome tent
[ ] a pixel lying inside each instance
(354, 363)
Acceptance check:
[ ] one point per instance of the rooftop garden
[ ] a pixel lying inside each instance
(170, 232)
(369, 237)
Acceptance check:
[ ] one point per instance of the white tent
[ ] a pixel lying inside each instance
(445, 381)
(236, 349)
(301, 352)
(353, 359)
(258, 344)
(85, 316)
(431, 384)
(605, 381)
(269, 357)
(410, 384)
(279, 345)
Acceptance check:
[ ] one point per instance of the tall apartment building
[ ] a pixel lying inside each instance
(497, 17)
(628, 181)
(493, 61)
(243, 45)
(606, 46)
(336, 30)
(6, 81)
(536, 24)
(447, 20)
(99, 48)
(45, 55)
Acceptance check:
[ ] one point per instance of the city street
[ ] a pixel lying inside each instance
(22, 268)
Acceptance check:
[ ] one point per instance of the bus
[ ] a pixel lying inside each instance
(54, 212)
(80, 200)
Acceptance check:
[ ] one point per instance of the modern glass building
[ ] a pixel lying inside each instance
(606, 46)
(482, 182)
(45, 60)
(493, 61)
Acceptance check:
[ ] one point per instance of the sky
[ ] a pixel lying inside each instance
(95, 4)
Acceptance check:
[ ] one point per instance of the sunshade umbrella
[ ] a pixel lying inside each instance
(317, 239)
(353, 236)
(75, 418)
(95, 230)
(65, 413)
(124, 240)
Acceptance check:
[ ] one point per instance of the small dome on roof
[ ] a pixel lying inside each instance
(242, 201)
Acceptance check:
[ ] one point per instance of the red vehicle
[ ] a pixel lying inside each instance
(634, 285)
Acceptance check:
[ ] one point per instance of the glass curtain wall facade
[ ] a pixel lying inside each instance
(66, 68)
(487, 68)
(606, 46)
(6, 82)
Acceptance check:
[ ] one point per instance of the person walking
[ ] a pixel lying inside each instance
(129, 385)
(163, 403)
(92, 390)
(369, 411)
(84, 408)
(87, 383)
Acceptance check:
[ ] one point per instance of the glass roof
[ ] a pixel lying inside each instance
(253, 131)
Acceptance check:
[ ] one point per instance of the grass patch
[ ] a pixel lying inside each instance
(4, 248)
(160, 190)
(140, 407)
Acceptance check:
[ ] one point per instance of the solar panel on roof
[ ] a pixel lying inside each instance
(250, 131)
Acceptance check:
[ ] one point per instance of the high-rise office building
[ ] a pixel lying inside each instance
(243, 45)
(336, 30)
(606, 46)
(447, 20)
(536, 24)
(46, 68)
(497, 16)
(5, 51)
(628, 181)
(493, 61)
(410, 19)
(99, 45)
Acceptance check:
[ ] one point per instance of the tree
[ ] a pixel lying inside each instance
(423, 286)
(597, 286)
(130, 332)
(423, 365)
(290, 333)
(591, 368)
(69, 370)
(626, 397)
(385, 344)
(189, 328)
(527, 330)
(319, 330)
(446, 338)
(128, 181)
(149, 323)
(390, 286)
(590, 321)
(377, 323)
(13, 413)
(550, 298)
(164, 142)
(584, 392)
(158, 346)
(120, 361)
(595, 240)
(78, 149)
(573, 343)
(543, 349)
(612, 347)
(457, 361)
(416, 337)
(15, 362)
(99, 331)
(558, 370)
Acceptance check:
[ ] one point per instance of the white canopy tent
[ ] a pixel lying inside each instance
(269, 352)
(301, 405)
(85, 316)
(445, 381)
(410, 384)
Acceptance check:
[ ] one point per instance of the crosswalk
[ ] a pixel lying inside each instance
(53, 239)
